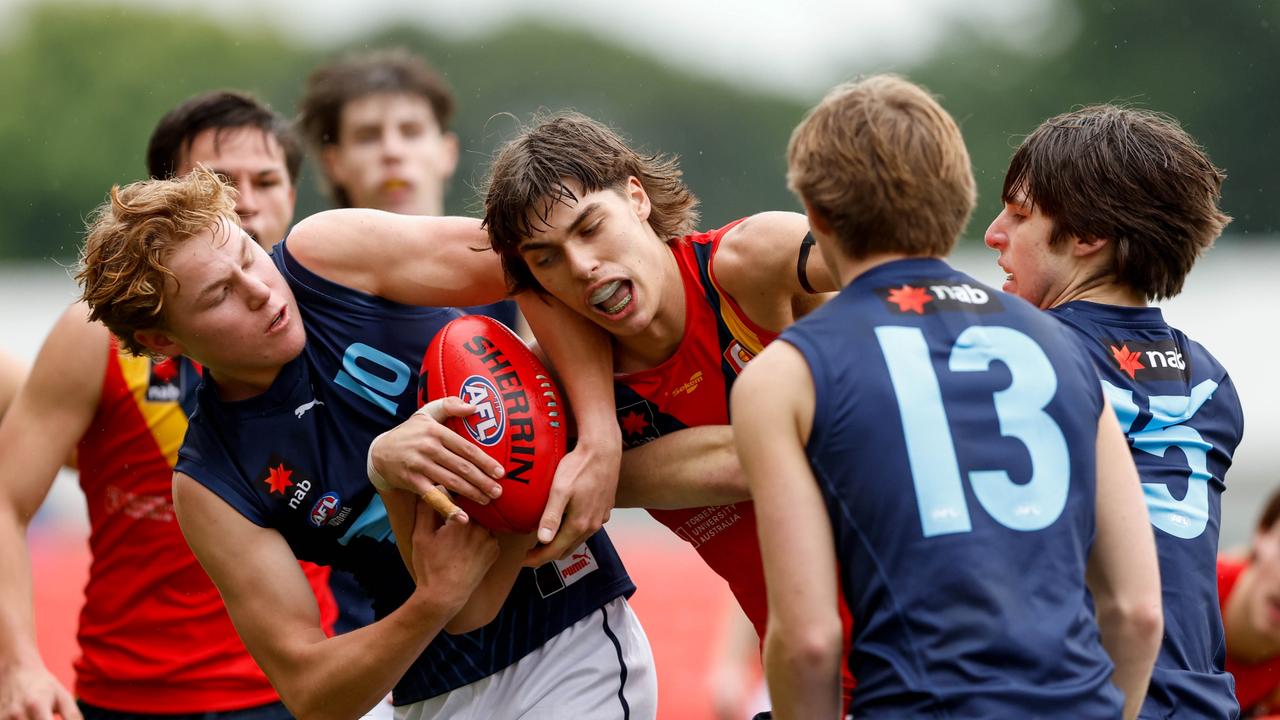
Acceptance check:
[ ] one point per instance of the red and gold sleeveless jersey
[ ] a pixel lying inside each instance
(691, 388)
(154, 635)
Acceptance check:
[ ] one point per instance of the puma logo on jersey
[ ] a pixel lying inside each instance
(304, 407)
(555, 576)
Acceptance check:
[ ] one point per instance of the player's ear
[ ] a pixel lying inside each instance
(639, 199)
(1087, 245)
(158, 342)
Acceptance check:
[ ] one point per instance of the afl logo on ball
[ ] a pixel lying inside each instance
(324, 509)
(489, 421)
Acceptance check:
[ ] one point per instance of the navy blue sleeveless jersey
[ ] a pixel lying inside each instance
(1182, 415)
(504, 311)
(954, 439)
(293, 459)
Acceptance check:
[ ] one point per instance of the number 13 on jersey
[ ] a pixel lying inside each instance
(1019, 408)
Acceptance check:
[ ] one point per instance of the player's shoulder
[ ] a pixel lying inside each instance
(755, 264)
(74, 355)
(764, 234)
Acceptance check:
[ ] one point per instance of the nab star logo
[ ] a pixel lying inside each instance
(910, 299)
(165, 370)
(162, 384)
(1129, 361)
(489, 421)
(278, 478)
(639, 424)
(926, 297)
(1160, 359)
(633, 423)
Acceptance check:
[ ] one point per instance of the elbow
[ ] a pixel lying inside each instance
(1147, 623)
(1139, 621)
(814, 646)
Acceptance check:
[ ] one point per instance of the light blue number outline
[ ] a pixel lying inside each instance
(1186, 518)
(1019, 409)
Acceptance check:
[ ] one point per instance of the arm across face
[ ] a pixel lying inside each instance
(410, 259)
(584, 489)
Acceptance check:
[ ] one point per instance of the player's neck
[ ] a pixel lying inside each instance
(1104, 294)
(1248, 644)
(849, 269)
(234, 386)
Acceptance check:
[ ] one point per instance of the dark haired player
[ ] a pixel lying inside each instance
(379, 124)
(578, 214)
(1107, 209)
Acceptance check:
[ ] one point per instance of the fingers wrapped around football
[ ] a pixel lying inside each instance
(519, 420)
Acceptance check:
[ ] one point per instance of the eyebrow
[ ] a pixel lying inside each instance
(218, 281)
(253, 173)
(530, 245)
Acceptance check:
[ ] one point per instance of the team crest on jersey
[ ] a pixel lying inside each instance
(164, 383)
(737, 355)
(489, 422)
(923, 297)
(1162, 360)
(638, 423)
(324, 509)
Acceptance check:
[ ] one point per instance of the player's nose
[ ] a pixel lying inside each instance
(996, 237)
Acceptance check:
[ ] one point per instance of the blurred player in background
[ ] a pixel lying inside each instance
(379, 125)
(308, 355)
(1106, 210)
(1249, 591)
(154, 635)
(578, 214)
(968, 582)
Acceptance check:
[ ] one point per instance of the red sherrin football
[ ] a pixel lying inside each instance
(520, 422)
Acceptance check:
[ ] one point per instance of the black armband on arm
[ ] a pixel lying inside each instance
(802, 263)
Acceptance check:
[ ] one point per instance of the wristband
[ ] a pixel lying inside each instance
(375, 478)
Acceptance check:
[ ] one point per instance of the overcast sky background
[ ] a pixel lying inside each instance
(799, 47)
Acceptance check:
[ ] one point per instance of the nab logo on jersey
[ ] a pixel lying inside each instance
(324, 509)
(1162, 360)
(489, 421)
(638, 423)
(164, 383)
(927, 296)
